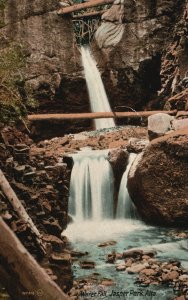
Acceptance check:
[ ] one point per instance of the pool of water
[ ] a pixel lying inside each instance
(85, 236)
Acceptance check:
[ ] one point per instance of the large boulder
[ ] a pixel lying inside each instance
(158, 184)
(158, 125)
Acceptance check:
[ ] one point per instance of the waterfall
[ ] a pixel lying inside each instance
(98, 98)
(91, 199)
(91, 187)
(125, 207)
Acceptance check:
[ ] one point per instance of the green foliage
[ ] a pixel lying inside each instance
(3, 4)
(14, 98)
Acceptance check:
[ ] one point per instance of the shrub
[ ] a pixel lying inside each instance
(14, 99)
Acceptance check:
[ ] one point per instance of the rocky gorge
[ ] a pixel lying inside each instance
(140, 48)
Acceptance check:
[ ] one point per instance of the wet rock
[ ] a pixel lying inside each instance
(78, 253)
(133, 253)
(120, 268)
(137, 267)
(148, 272)
(145, 257)
(111, 258)
(170, 276)
(136, 145)
(119, 255)
(87, 264)
(107, 282)
(183, 277)
(158, 125)
(106, 244)
(129, 262)
(61, 258)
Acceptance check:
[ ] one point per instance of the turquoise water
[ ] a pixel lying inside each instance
(128, 234)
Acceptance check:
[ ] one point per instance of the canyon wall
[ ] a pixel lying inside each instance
(132, 46)
(52, 57)
(140, 48)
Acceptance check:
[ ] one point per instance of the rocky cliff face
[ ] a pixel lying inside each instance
(132, 39)
(47, 40)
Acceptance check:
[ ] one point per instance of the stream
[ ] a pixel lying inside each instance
(128, 234)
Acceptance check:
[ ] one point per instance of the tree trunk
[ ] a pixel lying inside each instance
(97, 115)
(25, 273)
(18, 207)
(80, 6)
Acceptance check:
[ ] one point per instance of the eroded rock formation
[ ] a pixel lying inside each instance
(133, 39)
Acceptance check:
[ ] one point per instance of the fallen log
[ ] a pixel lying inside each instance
(97, 115)
(12, 287)
(89, 14)
(81, 6)
(31, 281)
(18, 207)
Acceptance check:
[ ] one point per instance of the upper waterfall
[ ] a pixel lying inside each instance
(98, 98)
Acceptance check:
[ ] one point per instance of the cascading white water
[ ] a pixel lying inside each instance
(98, 98)
(91, 187)
(91, 199)
(125, 207)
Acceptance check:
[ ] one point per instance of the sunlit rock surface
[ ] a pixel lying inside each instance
(158, 185)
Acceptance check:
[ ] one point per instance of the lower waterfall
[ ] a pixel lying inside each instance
(91, 199)
(125, 206)
(91, 187)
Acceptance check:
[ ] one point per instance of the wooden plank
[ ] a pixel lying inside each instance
(97, 115)
(29, 277)
(84, 5)
(90, 14)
